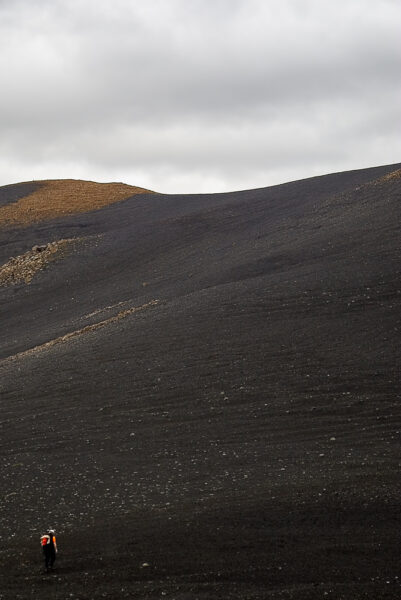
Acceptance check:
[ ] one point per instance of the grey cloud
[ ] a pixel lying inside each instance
(182, 87)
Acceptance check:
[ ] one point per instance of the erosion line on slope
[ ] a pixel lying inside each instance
(89, 328)
(102, 310)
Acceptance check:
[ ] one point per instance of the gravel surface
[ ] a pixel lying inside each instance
(204, 399)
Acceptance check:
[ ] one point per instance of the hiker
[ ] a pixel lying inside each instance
(49, 547)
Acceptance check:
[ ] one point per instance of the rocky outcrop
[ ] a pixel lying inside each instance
(24, 267)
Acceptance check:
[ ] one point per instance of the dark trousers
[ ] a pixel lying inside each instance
(50, 558)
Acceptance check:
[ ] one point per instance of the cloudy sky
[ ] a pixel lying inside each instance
(198, 95)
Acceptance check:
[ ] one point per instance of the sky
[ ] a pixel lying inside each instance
(196, 96)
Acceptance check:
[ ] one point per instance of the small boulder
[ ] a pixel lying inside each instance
(37, 248)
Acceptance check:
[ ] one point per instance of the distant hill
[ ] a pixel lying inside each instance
(201, 393)
(36, 201)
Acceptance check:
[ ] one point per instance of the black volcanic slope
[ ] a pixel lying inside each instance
(224, 420)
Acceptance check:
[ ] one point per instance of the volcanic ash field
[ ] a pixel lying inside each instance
(201, 393)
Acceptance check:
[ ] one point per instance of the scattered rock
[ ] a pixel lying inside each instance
(24, 267)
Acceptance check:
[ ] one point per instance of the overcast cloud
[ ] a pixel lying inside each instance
(198, 95)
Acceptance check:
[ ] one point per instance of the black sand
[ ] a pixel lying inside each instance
(241, 437)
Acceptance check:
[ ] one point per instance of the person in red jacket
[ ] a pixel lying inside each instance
(49, 547)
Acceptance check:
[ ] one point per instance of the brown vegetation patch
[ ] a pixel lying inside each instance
(25, 266)
(95, 326)
(388, 178)
(62, 197)
(393, 175)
